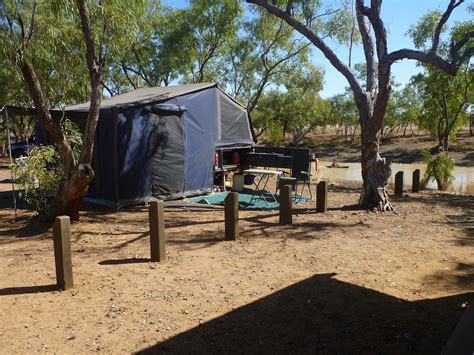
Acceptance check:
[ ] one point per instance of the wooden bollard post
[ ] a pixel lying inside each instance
(399, 184)
(62, 252)
(157, 230)
(231, 216)
(322, 197)
(415, 185)
(286, 210)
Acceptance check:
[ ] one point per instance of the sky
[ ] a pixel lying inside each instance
(398, 16)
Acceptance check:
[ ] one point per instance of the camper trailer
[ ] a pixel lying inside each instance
(161, 142)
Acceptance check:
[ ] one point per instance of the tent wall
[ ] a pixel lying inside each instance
(134, 155)
(200, 131)
(167, 150)
(233, 122)
(150, 154)
(103, 188)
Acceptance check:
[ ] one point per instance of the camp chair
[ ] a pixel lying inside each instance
(301, 170)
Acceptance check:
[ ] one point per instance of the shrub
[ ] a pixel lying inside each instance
(273, 133)
(40, 173)
(438, 168)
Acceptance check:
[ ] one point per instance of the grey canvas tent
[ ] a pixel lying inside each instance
(160, 142)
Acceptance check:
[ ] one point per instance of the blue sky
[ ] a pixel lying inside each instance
(398, 15)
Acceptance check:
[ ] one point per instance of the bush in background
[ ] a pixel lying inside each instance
(38, 175)
(438, 168)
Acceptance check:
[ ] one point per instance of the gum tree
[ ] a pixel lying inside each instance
(69, 30)
(371, 99)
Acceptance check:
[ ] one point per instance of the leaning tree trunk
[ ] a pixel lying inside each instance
(73, 188)
(78, 176)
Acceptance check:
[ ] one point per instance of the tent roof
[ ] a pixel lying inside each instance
(144, 95)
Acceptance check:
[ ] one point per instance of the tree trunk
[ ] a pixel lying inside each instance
(285, 128)
(376, 171)
(446, 140)
(73, 188)
(70, 194)
(440, 132)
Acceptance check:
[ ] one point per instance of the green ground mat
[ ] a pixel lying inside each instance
(246, 201)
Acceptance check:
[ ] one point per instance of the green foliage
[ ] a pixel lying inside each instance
(422, 32)
(40, 173)
(297, 110)
(444, 100)
(56, 47)
(74, 137)
(438, 168)
(273, 133)
(343, 111)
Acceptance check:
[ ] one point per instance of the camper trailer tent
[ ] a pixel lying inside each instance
(160, 142)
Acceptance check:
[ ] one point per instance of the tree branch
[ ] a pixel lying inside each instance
(442, 21)
(422, 57)
(318, 42)
(95, 75)
(54, 131)
(368, 45)
(32, 24)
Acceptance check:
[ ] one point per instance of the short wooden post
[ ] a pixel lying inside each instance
(286, 213)
(232, 216)
(399, 184)
(322, 197)
(62, 252)
(157, 230)
(415, 185)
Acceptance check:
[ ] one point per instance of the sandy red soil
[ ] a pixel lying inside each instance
(345, 281)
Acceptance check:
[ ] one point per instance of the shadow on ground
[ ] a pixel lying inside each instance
(27, 289)
(465, 220)
(324, 315)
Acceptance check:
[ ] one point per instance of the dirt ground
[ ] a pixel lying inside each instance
(346, 281)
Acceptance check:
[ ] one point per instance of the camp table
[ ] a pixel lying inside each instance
(261, 182)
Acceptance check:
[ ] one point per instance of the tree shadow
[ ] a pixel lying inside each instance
(464, 220)
(404, 156)
(33, 228)
(324, 315)
(461, 276)
(467, 160)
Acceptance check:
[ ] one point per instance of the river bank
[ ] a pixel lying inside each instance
(403, 150)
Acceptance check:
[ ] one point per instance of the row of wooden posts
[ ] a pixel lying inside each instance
(62, 237)
(415, 186)
(62, 243)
